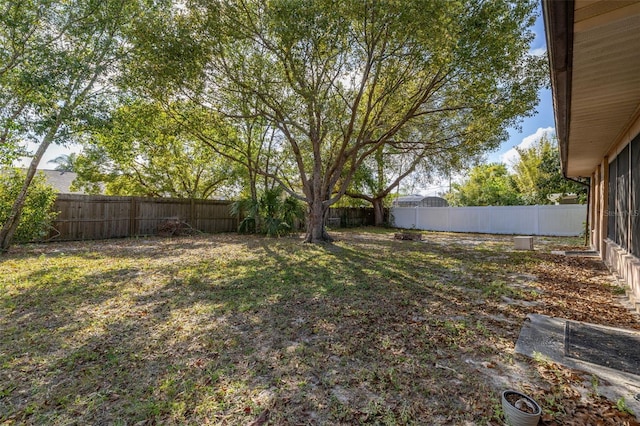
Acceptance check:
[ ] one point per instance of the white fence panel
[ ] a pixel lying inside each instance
(514, 220)
(405, 216)
(560, 220)
(432, 218)
(470, 219)
(563, 220)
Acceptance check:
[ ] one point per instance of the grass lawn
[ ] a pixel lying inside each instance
(228, 329)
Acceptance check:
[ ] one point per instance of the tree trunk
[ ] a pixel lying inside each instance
(316, 232)
(11, 225)
(378, 211)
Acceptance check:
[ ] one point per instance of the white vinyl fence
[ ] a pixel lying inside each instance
(559, 220)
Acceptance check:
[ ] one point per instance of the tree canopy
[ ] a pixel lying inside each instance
(338, 81)
(306, 95)
(57, 62)
(537, 173)
(487, 185)
(141, 150)
(536, 176)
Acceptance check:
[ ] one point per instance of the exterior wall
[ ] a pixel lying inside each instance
(621, 252)
(594, 206)
(604, 203)
(627, 267)
(560, 220)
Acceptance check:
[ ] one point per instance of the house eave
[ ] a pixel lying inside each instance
(558, 21)
(593, 56)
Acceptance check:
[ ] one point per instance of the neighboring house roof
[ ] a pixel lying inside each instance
(409, 199)
(420, 200)
(593, 56)
(61, 181)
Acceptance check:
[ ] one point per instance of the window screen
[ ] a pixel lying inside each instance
(634, 247)
(622, 199)
(611, 208)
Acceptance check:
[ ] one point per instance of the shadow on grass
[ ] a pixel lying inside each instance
(346, 333)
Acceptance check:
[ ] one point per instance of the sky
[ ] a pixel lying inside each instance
(540, 122)
(532, 128)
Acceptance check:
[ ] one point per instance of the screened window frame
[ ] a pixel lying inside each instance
(634, 202)
(611, 196)
(622, 198)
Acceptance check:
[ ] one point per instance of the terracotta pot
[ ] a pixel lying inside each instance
(524, 411)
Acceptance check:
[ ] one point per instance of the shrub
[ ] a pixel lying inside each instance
(273, 214)
(37, 214)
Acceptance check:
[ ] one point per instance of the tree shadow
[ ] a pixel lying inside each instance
(354, 332)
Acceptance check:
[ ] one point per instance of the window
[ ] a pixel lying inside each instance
(634, 245)
(622, 199)
(611, 208)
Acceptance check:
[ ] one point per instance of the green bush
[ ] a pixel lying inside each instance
(37, 214)
(273, 214)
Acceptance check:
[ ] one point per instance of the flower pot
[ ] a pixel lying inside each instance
(519, 409)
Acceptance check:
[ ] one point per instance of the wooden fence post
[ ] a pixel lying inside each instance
(132, 217)
(192, 214)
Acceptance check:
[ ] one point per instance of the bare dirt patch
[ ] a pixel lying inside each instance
(230, 329)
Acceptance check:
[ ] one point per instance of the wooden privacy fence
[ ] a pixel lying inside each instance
(90, 217)
(346, 217)
(95, 217)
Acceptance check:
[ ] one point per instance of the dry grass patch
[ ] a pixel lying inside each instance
(230, 329)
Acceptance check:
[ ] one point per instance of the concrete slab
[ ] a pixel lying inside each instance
(576, 253)
(543, 336)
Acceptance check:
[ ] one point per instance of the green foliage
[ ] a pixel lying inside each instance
(143, 149)
(537, 174)
(37, 213)
(273, 214)
(248, 210)
(10, 152)
(536, 177)
(622, 406)
(38, 39)
(487, 185)
(65, 162)
(58, 64)
(342, 81)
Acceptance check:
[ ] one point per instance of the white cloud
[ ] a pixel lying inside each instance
(538, 51)
(511, 156)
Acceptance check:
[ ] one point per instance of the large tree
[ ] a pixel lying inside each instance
(340, 80)
(19, 22)
(60, 58)
(486, 185)
(537, 173)
(428, 156)
(142, 150)
(248, 141)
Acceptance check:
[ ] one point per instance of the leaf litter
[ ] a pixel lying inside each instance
(228, 329)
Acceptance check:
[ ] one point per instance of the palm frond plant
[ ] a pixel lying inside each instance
(274, 213)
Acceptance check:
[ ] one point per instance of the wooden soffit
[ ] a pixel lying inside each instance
(594, 53)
